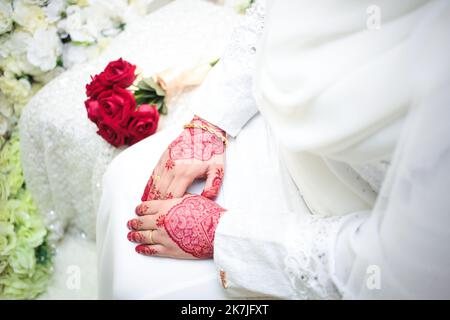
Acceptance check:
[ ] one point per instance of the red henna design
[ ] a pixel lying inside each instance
(169, 164)
(195, 143)
(191, 224)
(135, 224)
(147, 189)
(223, 278)
(145, 250)
(160, 221)
(134, 236)
(141, 209)
(156, 195)
(213, 190)
(169, 196)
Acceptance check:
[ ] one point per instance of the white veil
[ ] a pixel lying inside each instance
(407, 236)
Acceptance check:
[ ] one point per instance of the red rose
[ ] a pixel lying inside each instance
(93, 110)
(112, 132)
(116, 104)
(95, 87)
(143, 123)
(118, 73)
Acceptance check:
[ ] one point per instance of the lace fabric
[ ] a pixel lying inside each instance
(308, 261)
(240, 56)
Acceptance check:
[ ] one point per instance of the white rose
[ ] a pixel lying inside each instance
(44, 49)
(16, 91)
(22, 260)
(81, 3)
(140, 6)
(106, 17)
(4, 124)
(30, 17)
(36, 2)
(19, 65)
(75, 25)
(239, 5)
(47, 76)
(6, 21)
(114, 12)
(6, 108)
(14, 44)
(75, 54)
(55, 9)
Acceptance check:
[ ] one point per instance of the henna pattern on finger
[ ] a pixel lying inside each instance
(195, 143)
(145, 250)
(169, 164)
(148, 188)
(129, 225)
(160, 221)
(212, 191)
(156, 195)
(135, 236)
(169, 196)
(135, 224)
(191, 224)
(142, 209)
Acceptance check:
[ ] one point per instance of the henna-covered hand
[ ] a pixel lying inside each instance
(195, 153)
(177, 228)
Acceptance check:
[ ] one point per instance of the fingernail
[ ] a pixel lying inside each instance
(139, 210)
(139, 248)
(130, 236)
(130, 224)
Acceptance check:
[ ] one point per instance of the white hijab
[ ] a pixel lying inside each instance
(336, 91)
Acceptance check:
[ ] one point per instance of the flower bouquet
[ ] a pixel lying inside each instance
(126, 107)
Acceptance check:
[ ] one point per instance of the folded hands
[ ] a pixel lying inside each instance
(174, 224)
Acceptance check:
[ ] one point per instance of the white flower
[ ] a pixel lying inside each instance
(55, 9)
(44, 49)
(103, 18)
(75, 54)
(81, 3)
(19, 65)
(30, 17)
(239, 5)
(3, 125)
(6, 21)
(16, 91)
(140, 6)
(75, 25)
(109, 17)
(14, 44)
(6, 108)
(47, 76)
(36, 2)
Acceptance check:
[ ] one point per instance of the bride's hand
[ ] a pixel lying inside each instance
(195, 153)
(181, 228)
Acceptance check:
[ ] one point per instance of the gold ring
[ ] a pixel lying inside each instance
(150, 237)
(157, 177)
